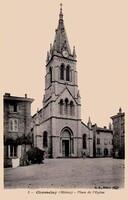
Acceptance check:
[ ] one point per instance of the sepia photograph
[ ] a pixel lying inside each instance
(64, 74)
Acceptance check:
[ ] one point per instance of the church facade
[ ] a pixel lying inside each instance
(58, 127)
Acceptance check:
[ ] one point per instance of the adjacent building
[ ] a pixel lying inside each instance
(58, 127)
(102, 142)
(17, 123)
(118, 122)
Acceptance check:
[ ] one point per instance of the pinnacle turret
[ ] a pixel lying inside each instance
(47, 59)
(89, 123)
(37, 117)
(74, 52)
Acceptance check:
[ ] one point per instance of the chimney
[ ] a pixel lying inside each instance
(7, 94)
(25, 95)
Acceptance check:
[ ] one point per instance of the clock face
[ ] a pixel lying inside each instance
(65, 53)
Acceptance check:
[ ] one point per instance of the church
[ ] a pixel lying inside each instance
(57, 127)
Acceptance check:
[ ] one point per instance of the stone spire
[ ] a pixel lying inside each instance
(61, 41)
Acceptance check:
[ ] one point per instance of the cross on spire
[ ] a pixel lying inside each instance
(61, 14)
(61, 6)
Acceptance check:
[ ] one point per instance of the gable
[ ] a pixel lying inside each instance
(65, 94)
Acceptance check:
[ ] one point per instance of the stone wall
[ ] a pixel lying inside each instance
(23, 115)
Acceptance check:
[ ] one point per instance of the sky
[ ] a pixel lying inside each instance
(98, 30)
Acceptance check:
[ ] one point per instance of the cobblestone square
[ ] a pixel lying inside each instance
(68, 173)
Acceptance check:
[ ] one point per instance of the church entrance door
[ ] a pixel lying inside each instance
(65, 148)
(66, 143)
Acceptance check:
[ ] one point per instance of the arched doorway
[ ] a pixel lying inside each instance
(66, 142)
(105, 152)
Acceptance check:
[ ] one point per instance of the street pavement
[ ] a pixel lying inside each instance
(106, 173)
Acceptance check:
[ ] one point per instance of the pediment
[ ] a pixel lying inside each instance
(66, 94)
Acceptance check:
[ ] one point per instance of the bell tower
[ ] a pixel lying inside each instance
(60, 117)
(58, 127)
(60, 66)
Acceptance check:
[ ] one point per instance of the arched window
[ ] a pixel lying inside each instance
(61, 107)
(66, 106)
(50, 72)
(71, 108)
(68, 73)
(45, 139)
(62, 72)
(84, 141)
